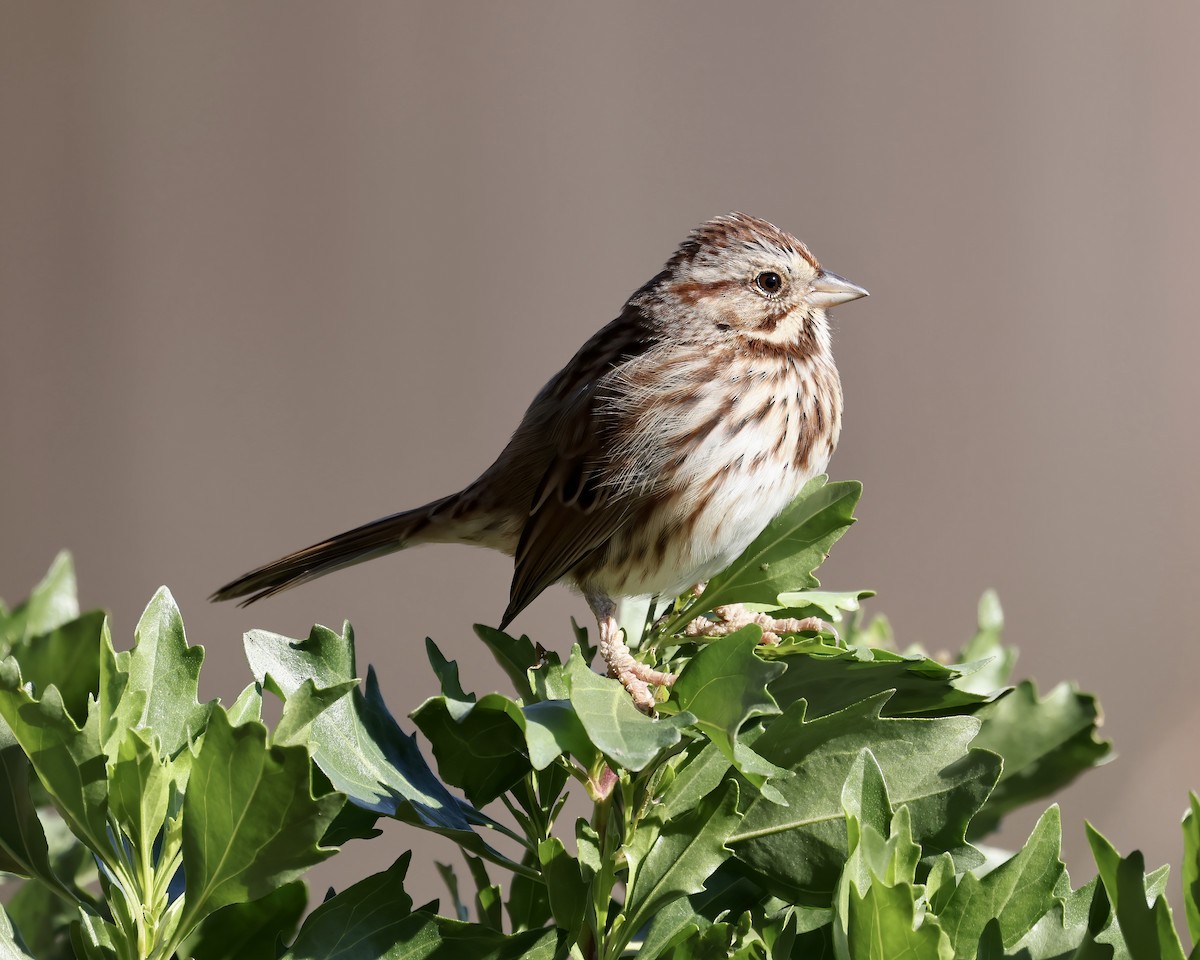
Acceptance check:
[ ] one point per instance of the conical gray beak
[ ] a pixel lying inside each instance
(828, 290)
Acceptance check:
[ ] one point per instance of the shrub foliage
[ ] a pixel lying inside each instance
(824, 797)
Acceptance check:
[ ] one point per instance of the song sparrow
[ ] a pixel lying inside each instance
(654, 457)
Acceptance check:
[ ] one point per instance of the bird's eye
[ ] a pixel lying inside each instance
(769, 282)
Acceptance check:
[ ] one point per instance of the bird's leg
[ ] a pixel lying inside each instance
(734, 616)
(635, 676)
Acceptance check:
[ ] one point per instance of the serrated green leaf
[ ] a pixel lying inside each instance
(1068, 930)
(483, 751)
(1190, 874)
(372, 920)
(865, 798)
(1145, 921)
(724, 685)
(1016, 894)
(166, 670)
(698, 773)
(51, 604)
(882, 926)
(249, 931)
(683, 857)
(1045, 742)
(66, 758)
(798, 851)
(783, 557)
(360, 922)
(250, 820)
(613, 724)
(356, 742)
(66, 657)
(515, 655)
(302, 707)
(830, 679)
(829, 605)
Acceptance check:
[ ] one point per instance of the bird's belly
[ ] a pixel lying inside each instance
(704, 525)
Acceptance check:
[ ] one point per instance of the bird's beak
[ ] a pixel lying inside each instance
(828, 290)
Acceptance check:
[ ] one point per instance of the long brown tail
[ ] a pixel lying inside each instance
(374, 539)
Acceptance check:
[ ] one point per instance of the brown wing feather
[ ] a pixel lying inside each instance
(573, 510)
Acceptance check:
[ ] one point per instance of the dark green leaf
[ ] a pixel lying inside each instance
(249, 931)
(564, 885)
(552, 728)
(683, 857)
(798, 851)
(66, 758)
(66, 657)
(723, 686)
(23, 849)
(356, 742)
(515, 655)
(250, 821)
(479, 746)
(1045, 742)
(831, 678)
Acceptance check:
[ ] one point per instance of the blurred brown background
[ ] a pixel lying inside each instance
(270, 270)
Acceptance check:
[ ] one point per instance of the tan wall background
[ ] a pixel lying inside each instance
(269, 270)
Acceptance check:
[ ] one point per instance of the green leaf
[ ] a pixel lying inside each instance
(528, 904)
(250, 820)
(479, 745)
(1016, 894)
(1045, 742)
(302, 707)
(1145, 921)
(831, 678)
(1190, 875)
(783, 557)
(249, 931)
(11, 946)
(865, 798)
(356, 742)
(723, 686)
(798, 851)
(515, 655)
(565, 886)
(139, 790)
(552, 728)
(372, 920)
(627, 737)
(829, 605)
(361, 921)
(986, 645)
(51, 604)
(683, 857)
(66, 657)
(882, 926)
(66, 758)
(23, 848)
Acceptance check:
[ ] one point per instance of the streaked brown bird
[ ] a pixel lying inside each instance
(654, 457)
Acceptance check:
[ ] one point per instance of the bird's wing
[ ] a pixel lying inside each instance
(575, 508)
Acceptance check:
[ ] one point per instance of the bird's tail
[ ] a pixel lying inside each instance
(374, 539)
